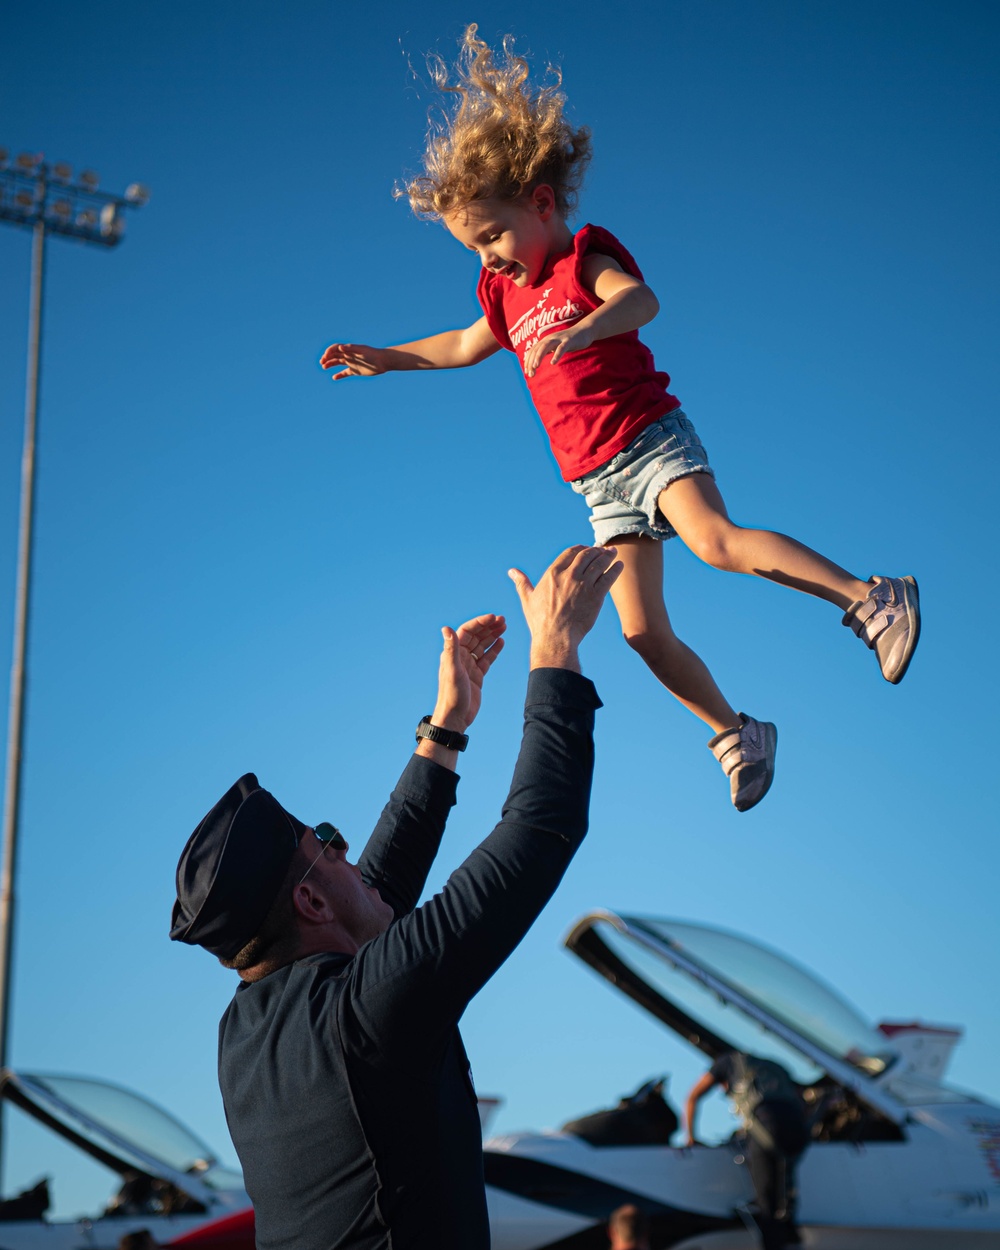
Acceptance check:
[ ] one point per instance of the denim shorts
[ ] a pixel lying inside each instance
(622, 494)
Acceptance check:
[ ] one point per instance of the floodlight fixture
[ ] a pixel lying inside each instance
(33, 192)
(111, 223)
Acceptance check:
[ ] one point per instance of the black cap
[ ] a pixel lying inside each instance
(232, 867)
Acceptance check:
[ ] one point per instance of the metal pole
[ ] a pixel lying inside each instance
(12, 793)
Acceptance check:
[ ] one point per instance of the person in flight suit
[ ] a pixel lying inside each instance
(345, 1082)
(777, 1133)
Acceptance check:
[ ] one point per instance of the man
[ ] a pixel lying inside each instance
(346, 1086)
(776, 1125)
(628, 1229)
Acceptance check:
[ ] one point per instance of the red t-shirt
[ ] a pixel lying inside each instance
(594, 402)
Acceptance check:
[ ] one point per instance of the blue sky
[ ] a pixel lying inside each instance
(240, 567)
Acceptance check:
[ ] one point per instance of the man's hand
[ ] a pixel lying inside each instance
(357, 360)
(466, 658)
(562, 608)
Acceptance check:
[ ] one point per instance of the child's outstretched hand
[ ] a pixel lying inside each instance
(355, 360)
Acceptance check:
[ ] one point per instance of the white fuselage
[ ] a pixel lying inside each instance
(938, 1189)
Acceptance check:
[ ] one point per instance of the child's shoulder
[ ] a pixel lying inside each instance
(596, 240)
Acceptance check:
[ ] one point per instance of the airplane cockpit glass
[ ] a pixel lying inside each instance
(110, 1115)
(99, 1130)
(223, 1178)
(675, 964)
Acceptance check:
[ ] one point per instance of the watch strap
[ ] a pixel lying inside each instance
(449, 738)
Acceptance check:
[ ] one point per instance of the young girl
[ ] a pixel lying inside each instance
(501, 173)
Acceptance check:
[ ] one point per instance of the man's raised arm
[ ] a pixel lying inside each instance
(432, 961)
(402, 847)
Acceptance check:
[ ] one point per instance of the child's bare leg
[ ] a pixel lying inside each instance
(638, 596)
(694, 507)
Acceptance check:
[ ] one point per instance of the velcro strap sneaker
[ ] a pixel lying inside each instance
(746, 754)
(888, 622)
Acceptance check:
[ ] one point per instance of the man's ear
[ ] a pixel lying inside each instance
(543, 200)
(311, 905)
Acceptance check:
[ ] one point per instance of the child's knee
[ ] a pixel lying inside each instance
(717, 547)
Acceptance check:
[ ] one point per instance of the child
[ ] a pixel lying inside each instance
(501, 173)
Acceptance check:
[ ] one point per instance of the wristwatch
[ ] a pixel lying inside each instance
(449, 738)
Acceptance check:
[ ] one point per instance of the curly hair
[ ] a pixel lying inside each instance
(504, 136)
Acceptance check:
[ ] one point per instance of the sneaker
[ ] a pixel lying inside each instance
(888, 623)
(746, 754)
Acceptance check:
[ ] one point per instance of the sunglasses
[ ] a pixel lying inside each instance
(327, 835)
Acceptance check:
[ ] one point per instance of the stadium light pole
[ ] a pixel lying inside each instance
(45, 199)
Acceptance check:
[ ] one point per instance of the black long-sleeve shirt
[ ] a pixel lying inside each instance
(346, 1085)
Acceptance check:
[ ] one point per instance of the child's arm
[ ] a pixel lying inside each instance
(454, 349)
(626, 305)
